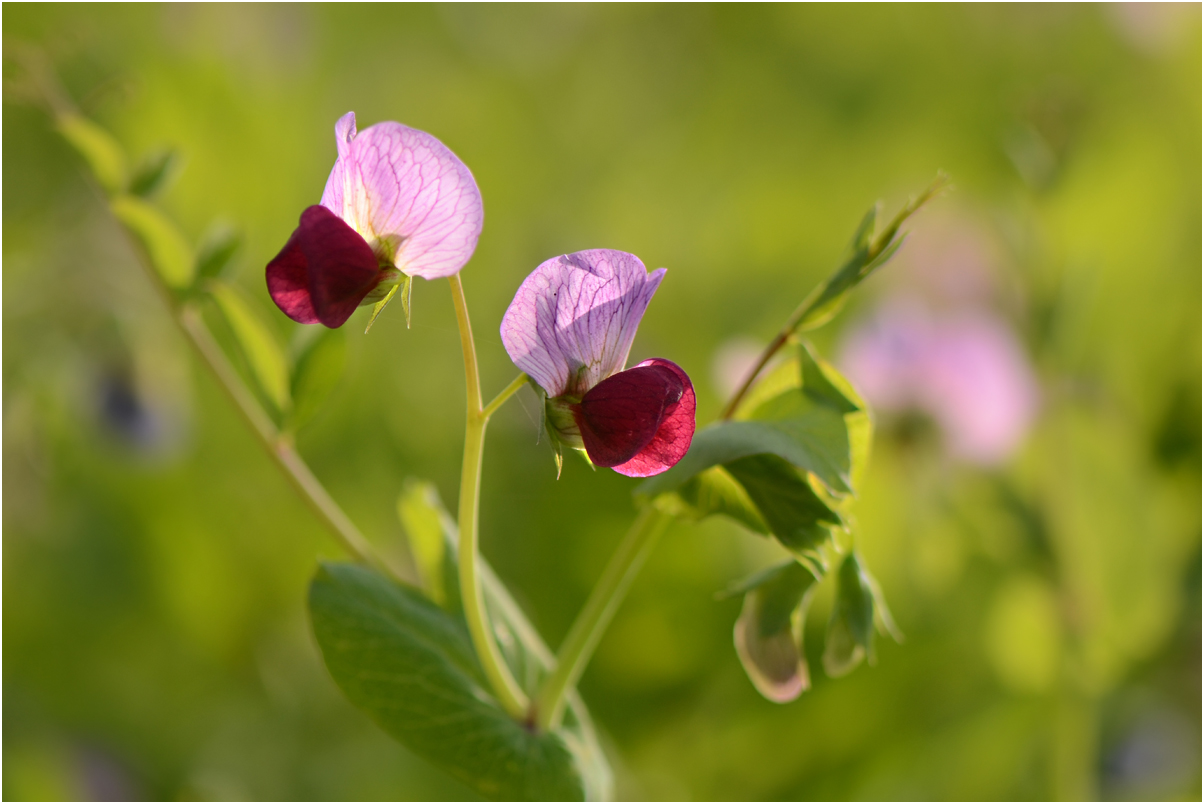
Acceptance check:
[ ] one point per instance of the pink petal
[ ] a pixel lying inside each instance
(673, 435)
(323, 272)
(573, 319)
(407, 193)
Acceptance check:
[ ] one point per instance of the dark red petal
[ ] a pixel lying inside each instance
(324, 271)
(673, 436)
(621, 415)
(288, 283)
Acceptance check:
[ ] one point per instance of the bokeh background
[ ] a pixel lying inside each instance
(1042, 557)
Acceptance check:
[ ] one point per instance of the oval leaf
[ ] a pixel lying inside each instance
(166, 248)
(263, 353)
(102, 153)
(410, 665)
(767, 641)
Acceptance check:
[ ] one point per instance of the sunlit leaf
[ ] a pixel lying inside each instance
(264, 355)
(809, 436)
(166, 248)
(850, 636)
(417, 508)
(785, 500)
(714, 491)
(103, 154)
(768, 635)
(410, 666)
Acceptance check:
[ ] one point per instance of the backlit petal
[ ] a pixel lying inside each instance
(673, 434)
(407, 195)
(573, 319)
(621, 415)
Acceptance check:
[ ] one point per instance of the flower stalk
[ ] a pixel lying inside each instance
(509, 694)
(591, 623)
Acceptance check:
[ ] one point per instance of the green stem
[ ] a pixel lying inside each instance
(876, 247)
(583, 637)
(279, 448)
(507, 392)
(509, 694)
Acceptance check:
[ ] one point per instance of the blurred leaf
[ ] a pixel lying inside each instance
(417, 509)
(154, 172)
(218, 246)
(789, 506)
(850, 635)
(316, 372)
(264, 355)
(410, 665)
(103, 154)
(165, 246)
(767, 641)
(868, 255)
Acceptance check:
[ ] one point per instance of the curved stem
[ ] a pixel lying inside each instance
(280, 449)
(509, 694)
(507, 392)
(587, 630)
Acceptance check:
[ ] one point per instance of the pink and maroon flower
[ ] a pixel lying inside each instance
(570, 328)
(397, 202)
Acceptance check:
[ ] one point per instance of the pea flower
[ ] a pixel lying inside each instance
(397, 202)
(570, 328)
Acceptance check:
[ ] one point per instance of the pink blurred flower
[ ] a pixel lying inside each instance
(965, 370)
(570, 328)
(397, 202)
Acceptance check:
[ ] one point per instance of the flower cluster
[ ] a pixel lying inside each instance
(399, 203)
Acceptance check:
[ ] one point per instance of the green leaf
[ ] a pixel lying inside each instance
(154, 172)
(264, 355)
(409, 664)
(102, 153)
(826, 385)
(869, 252)
(218, 246)
(793, 511)
(809, 436)
(165, 247)
(528, 657)
(316, 371)
(419, 512)
(714, 491)
(850, 636)
(769, 632)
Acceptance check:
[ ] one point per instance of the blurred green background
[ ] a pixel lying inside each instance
(155, 564)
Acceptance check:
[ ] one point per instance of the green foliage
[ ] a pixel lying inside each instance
(263, 352)
(850, 636)
(217, 248)
(102, 153)
(317, 367)
(421, 515)
(154, 172)
(769, 633)
(166, 248)
(793, 511)
(410, 665)
(425, 519)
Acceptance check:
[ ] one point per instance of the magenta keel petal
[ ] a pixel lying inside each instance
(639, 421)
(324, 271)
(674, 433)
